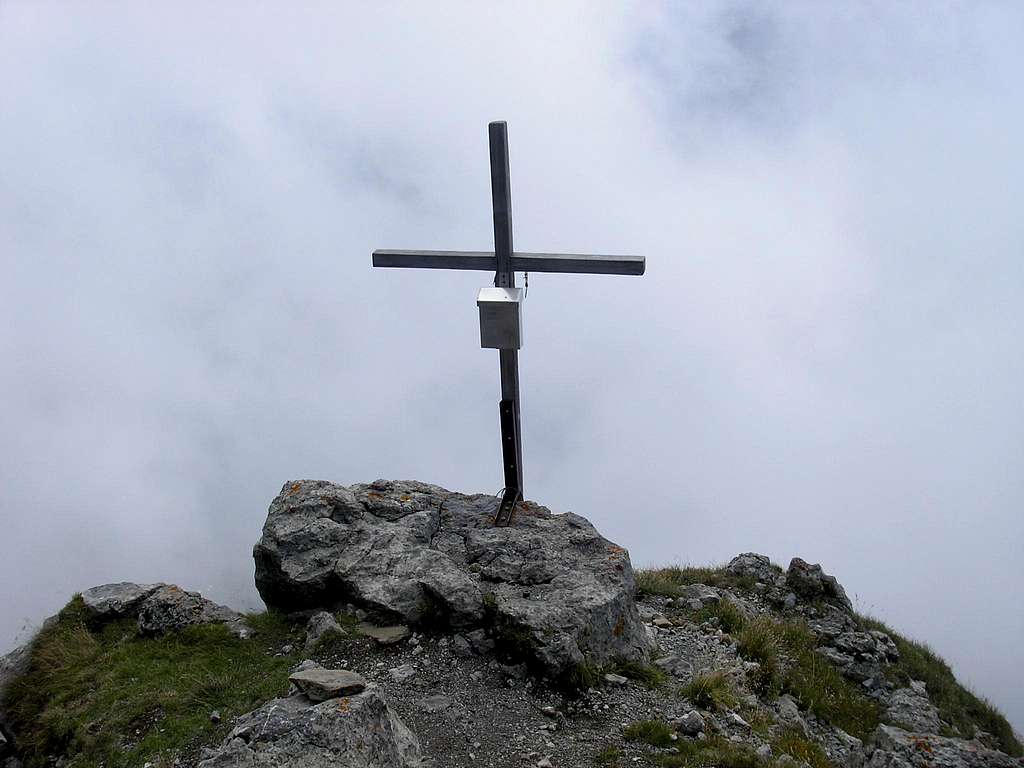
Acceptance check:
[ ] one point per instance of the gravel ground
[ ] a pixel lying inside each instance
(475, 711)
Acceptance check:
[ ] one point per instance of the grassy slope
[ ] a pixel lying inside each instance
(109, 697)
(814, 683)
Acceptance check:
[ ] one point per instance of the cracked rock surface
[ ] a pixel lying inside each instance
(424, 555)
(359, 731)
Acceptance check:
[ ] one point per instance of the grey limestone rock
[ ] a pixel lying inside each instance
(426, 555)
(911, 709)
(158, 608)
(690, 724)
(702, 593)
(107, 602)
(360, 731)
(320, 624)
(861, 656)
(789, 714)
(896, 748)
(171, 608)
(391, 635)
(755, 566)
(810, 582)
(323, 684)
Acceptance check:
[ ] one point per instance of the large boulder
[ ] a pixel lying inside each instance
(550, 583)
(359, 731)
(158, 608)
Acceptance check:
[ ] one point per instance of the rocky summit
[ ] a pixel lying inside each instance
(406, 631)
(427, 556)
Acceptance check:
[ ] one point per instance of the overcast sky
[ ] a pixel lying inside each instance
(823, 360)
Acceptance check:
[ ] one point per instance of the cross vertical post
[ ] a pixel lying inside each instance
(508, 359)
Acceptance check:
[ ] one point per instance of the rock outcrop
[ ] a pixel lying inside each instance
(158, 608)
(896, 748)
(357, 731)
(419, 553)
(810, 582)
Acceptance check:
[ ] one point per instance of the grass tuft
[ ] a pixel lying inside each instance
(791, 742)
(716, 751)
(730, 617)
(657, 733)
(757, 641)
(609, 757)
(668, 581)
(711, 691)
(646, 674)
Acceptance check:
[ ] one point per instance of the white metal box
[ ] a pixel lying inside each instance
(501, 317)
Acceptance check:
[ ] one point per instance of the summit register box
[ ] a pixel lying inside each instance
(501, 317)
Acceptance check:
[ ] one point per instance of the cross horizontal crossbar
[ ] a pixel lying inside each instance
(591, 264)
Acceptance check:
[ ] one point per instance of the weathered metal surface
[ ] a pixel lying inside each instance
(501, 317)
(501, 199)
(485, 261)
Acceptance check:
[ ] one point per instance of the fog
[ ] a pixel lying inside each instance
(823, 359)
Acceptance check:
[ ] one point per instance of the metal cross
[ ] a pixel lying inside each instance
(506, 262)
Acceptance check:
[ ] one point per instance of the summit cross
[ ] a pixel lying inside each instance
(500, 317)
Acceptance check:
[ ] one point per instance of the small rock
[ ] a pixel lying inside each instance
(545, 762)
(661, 622)
(691, 723)
(305, 664)
(402, 673)
(764, 752)
(435, 703)
(287, 648)
(319, 626)
(384, 635)
(615, 679)
(734, 719)
(323, 684)
(461, 647)
(481, 643)
(215, 717)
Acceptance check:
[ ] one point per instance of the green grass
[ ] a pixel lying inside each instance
(791, 742)
(711, 691)
(757, 642)
(609, 756)
(107, 697)
(957, 705)
(646, 674)
(818, 687)
(657, 733)
(716, 751)
(730, 618)
(667, 581)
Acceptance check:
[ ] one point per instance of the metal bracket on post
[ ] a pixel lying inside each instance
(510, 462)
